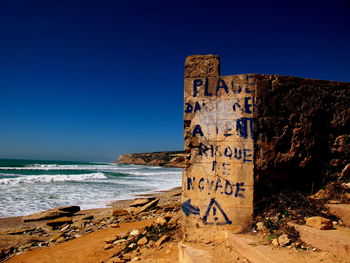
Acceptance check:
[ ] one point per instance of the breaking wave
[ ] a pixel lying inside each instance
(51, 178)
(47, 167)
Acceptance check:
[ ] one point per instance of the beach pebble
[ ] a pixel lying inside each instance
(160, 221)
(56, 236)
(319, 222)
(120, 212)
(59, 221)
(142, 241)
(119, 241)
(141, 201)
(168, 216)
(346, 171)
(61, 239)
(162, 240)
(64, 228)
(115, 260)
(110, 240)
(296, 244)
(283, 240)
(260, 226)
(275, 242)
(134, 232)
(145, 207)
(108, 246)
(132, 245)
(174, 220)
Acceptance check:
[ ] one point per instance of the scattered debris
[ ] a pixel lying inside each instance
(319, 222)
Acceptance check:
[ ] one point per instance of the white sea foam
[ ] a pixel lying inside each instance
(129, 170)
(32, 188)
(155, 173)
(51, 178)
(7, 174)
(72, 167)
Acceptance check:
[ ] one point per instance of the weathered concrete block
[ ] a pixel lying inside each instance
(197, 66)
(188, 254)
(218, 180)
(251, 134)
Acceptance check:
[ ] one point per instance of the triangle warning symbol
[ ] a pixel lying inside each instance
(215, 215)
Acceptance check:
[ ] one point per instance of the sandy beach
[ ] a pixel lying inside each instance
(81, 237)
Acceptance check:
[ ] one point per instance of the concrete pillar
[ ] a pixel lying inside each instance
(218, 178)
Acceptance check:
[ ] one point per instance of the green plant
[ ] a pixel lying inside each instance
(270, 238)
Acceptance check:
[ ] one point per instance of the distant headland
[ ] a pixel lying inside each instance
(167, 159)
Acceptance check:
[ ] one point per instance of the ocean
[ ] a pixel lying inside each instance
(29, 186)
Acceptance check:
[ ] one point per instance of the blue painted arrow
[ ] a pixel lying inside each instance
(188, 209)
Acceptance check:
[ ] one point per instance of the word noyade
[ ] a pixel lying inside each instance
(221, 186)
(220, 85)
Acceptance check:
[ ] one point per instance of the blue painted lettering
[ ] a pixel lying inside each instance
(243, 126)
(239, 189)
(189, 108)
(228, 188)
(218, 184)
(238, 154)
(206, 90)
(189, 183)
(221, 85)
(197, 107)
(200, 186)
(228, 152)
(246, 156)
(247, 105)
(213, 166)
(197, 130)
(215, 207)
(196, 84)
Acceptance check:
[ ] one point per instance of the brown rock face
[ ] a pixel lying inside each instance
(301, 128)
(120, 212)
(52, 213)
(141, 202)
(59, 221)
(138, 210)
(169, 159)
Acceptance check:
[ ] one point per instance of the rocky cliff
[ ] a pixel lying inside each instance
(301, 132)
(168, 159)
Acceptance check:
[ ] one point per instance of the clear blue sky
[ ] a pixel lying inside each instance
(89, 80)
